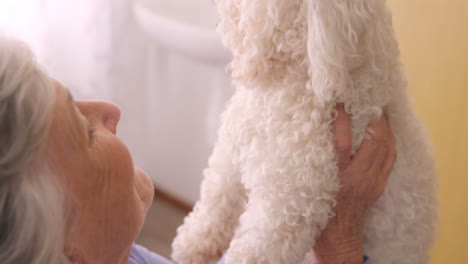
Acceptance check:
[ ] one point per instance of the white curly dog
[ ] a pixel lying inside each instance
(273, 171)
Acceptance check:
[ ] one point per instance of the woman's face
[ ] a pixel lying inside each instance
(109, 197)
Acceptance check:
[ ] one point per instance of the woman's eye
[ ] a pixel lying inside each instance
(91, 131)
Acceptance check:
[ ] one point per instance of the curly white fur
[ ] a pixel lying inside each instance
(273, 171)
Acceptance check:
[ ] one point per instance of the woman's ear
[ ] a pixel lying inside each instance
(75, 257)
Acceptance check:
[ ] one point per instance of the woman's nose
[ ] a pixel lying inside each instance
(111, 116)
(103, 112)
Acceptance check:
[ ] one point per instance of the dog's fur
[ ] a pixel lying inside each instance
(275, 165)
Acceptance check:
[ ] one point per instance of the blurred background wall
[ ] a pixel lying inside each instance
(163, 66)
(105, 49)
(433, 36)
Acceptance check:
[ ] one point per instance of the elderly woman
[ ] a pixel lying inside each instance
(69, 192)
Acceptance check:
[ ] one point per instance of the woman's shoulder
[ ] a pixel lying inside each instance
(141, 255)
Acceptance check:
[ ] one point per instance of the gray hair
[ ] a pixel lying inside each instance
(32, 215)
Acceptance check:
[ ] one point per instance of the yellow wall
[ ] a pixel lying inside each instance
(433, 36)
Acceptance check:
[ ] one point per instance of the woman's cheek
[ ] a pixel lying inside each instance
(112, 164)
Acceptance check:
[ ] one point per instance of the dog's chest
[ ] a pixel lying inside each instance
(267, 130)
(274, 127)
(255, 116)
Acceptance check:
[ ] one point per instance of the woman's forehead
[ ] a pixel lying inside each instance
(66, 130)
(62, 92)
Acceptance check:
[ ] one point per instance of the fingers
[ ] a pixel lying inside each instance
(366, 155)
(391, 156)
(372, 155)
(379, 160)
(376, 157)
(384, 172)
(379, 130)
(343, 138)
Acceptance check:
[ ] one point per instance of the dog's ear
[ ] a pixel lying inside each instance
(331, 39)
(345, 36)
(335, 41)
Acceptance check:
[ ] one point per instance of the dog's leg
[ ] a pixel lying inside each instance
(207, 231)
(281, 224)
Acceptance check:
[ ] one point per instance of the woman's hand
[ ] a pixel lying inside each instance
(363, 178)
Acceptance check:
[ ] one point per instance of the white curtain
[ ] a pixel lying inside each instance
(70, 38)
(170, 104)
